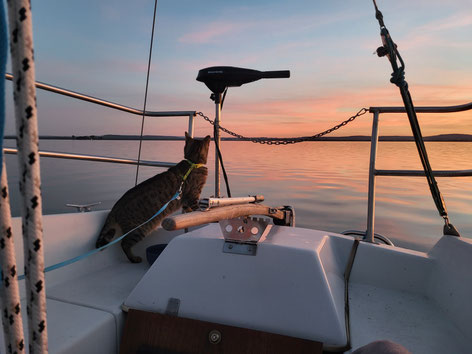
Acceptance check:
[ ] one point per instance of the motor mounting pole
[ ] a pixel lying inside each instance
(218, 79)
(217, 99)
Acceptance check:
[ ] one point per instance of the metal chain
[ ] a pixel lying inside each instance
(286, 141)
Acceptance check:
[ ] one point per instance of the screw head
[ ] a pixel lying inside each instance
(214, 336)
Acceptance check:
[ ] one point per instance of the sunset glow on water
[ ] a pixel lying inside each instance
(326, 182)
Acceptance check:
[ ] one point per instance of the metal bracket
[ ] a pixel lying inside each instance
(82, 208)
(289, 216)
(240, 248)
(242, 234)
(173, 306)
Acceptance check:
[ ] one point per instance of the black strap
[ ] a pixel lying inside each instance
(398, 78)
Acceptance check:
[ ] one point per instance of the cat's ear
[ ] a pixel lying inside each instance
(207, 138)
(186, 136)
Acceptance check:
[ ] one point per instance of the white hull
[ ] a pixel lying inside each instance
(419, 300)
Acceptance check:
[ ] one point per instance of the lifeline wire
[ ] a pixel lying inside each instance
(146, 92)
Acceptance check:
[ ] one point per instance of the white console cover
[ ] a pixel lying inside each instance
(283, 289)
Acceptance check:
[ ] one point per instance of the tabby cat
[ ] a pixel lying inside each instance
(142, 201)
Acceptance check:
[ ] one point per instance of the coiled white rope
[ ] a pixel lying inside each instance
(24, 94)
(10, 294)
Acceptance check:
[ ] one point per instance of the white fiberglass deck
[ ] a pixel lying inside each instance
(296, 288)
(83, 299)
(419, 300)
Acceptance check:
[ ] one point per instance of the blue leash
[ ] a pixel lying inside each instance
(83, 256)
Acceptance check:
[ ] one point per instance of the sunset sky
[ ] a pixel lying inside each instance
(100, 48)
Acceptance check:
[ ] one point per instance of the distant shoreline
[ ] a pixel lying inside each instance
(392, 138)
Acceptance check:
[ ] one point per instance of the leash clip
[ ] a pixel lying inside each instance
(179, 191)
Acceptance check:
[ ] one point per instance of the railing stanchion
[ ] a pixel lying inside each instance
(369, 236)
(191, 119)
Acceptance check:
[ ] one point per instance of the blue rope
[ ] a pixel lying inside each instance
(3, 64)
(83, 256)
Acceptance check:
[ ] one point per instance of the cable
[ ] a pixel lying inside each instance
(220, 157)
(146, 92)
(347, 320)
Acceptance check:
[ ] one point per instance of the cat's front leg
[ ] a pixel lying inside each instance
(190, 205)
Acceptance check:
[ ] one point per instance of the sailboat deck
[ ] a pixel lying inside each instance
(418, 300)
(412, 320)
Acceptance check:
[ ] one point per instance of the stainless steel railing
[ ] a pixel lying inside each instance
(373, 172)
(63, 155)
(99, 101)
(83, 97)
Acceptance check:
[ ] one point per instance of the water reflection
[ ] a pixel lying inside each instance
(326, 182)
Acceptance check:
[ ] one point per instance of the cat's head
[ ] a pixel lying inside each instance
(196, 150)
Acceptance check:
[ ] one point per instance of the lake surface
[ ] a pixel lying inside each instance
(326, 182)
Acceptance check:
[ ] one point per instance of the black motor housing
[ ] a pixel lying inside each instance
(218, 78)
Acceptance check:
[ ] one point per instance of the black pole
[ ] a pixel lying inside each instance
(218, 98)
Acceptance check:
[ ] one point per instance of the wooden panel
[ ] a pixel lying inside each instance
(153, 333)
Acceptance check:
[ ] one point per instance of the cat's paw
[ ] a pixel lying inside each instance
(135, 259)
(132, 258)
(100, 243)
(187, 209)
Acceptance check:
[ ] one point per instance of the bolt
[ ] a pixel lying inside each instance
(230, 246)
(214, 336)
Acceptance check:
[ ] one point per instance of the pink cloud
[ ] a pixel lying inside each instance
(431, 33)
(216, 30)
(213, 31)
(451, 22)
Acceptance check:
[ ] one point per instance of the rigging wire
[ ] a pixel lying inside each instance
(390, 50)
(146, 92)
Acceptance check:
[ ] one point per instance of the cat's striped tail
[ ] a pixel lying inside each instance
(106, 235)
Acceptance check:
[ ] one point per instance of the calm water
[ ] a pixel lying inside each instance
(326, 182)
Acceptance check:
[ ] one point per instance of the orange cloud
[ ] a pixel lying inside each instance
(309, 115)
